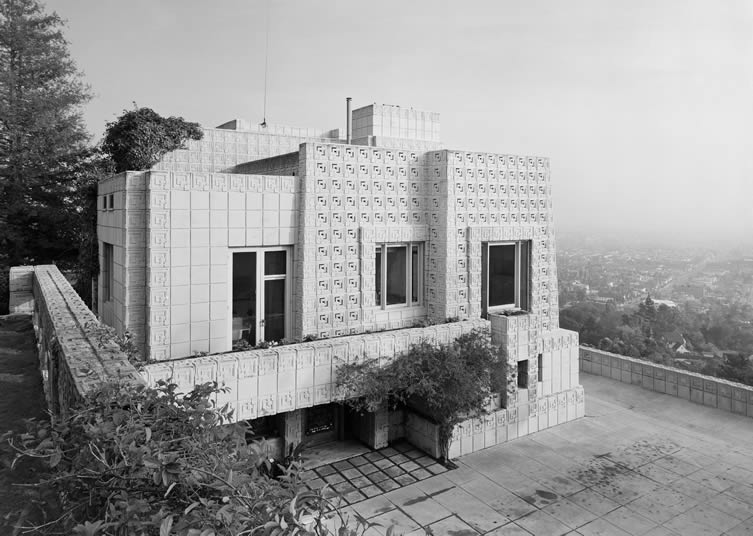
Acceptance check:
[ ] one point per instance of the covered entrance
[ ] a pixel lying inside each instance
(333, 432)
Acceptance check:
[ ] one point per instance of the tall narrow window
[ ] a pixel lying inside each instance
(108, 269)
(244, 297)
(505, 278)
(378, 276)
(398, 274)
(415, 263)
(275, 268)
(396, 271)
(523, 374)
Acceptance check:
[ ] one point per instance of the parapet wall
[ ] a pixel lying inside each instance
(73, 360)
(294, 376)
(707, 390)
(498, 425)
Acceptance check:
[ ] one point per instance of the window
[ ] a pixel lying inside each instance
(523, 374)
(505, 276)
(398, 274)
(260, 295)
(107, 271)
(541, 367)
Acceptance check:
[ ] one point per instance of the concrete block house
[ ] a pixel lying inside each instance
(343, 248)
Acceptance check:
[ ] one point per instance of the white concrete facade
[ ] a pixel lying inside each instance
(347, 220)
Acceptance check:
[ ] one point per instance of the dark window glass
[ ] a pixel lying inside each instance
(414, 274)
(108, 269)
(244, 297)
(378, 277)
(523, 374)
(541, 368)
(523, 276)
(502, 275)
(396, 266)
(274, 309)
(274, 263)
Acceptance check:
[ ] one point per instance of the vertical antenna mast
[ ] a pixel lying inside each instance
(266, 69)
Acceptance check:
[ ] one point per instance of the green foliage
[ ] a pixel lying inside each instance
(448, 383)
(152, 461)
(43, 152)
(106, 335)
(736, 368)
(653, 333)
(140, 137)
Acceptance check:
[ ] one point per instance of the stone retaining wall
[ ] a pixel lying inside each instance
(72, 359)
(707, 390)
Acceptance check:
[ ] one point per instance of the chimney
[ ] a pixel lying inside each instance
(348, 121)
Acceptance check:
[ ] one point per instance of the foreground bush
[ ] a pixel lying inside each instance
(140, 461)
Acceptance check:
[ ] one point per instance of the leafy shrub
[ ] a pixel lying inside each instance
(141, 461)
(140, 137)
(448, 382)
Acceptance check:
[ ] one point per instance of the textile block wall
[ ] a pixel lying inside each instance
(121, 223)
(194, 220)
(222, 149)
(353, 199)
(266, 382)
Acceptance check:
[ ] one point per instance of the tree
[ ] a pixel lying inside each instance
(736, 368)
(449, 382)
(140, 137)
(153, 461)
(42, 138)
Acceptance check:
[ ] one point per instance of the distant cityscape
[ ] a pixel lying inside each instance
(701, 301)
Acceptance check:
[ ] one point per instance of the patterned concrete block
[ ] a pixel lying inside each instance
(705, 390)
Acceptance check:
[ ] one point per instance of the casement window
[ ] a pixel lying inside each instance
(108, 270)
(260, 294)
(505, 267)
(399, 274)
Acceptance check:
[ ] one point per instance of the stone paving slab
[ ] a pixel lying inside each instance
(21, 397)
(638, 464)
(374, 473)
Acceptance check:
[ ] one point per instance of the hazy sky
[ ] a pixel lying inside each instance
(644, 107)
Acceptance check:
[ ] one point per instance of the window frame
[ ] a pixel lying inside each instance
(522, 269)
(382, 249)
(261, 278)
(108, 270)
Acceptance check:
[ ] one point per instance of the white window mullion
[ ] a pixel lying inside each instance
(259, 296)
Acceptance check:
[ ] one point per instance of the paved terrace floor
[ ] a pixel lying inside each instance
(21, 397)
(639, 463)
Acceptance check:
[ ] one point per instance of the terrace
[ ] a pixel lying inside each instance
(639, 463)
